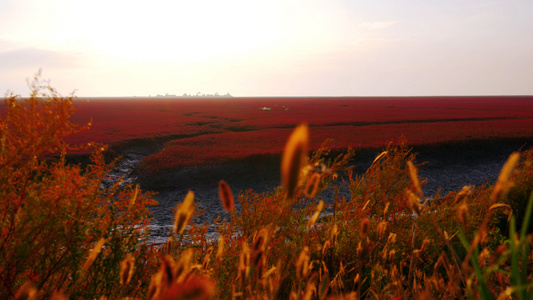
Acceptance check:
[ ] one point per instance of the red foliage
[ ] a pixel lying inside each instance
(222, 129)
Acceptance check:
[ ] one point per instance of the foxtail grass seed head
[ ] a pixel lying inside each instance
(392, 238)
(364, 227)
(334, 234)
(311, 186)
(244, 262)
(464, 193)
(325, 247)
(134, 197)
(183, 266)
(302, 264)
(94, 252)
(155, 286)
(315, 215)
(483, 258)
(168, 269)
(503, 184)
(379, 157)
(304, 172)
(260, 240)
(425, 245)
(220, 248)
(462, 215)
(413, 174)
(334, 177)
(498, 253)
(414, 203)
(382, 227)
(26, 292)
(270, 271)
(294, 156)
(505, 208)
(194, 288)
(357, 279)
(184, 213)
(169, 246)
(386, 209)
(207, 258)
(359, 249)
(391, 254)
(126, 269)
(56, 295)
(226, 196)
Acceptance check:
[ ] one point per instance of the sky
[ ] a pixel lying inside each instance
(269, 47)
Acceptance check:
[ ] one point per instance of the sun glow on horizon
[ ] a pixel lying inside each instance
(269, 48)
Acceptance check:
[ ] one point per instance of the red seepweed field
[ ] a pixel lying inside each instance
(212, 130)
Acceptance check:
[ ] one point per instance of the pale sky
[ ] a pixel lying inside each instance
(269, 47)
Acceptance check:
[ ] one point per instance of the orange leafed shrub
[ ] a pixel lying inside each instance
(53, 215)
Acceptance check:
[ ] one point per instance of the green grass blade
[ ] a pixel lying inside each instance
(482, 285)
(527, 218)
(515, 251)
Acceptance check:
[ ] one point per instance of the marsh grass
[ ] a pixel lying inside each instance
(63, 235)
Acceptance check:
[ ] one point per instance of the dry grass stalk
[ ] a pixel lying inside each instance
(503, 184)
(126, 269)
(94, 252)
(226, 196)
(294, 156)
(184, 213)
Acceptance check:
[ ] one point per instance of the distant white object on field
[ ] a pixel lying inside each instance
(265, 108)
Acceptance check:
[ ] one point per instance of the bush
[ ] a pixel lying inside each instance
(53, 214)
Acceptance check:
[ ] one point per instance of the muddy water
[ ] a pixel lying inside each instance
(447, 167)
